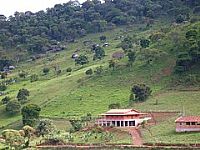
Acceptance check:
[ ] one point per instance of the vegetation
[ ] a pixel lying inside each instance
(22, 95)
(30, 114)
(13, 107)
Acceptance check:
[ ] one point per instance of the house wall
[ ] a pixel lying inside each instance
(183, 127)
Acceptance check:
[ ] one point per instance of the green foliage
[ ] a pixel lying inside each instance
(22, 95)
(69, 69)
(13, 107)
(180, 18)
(3, 87)
(82, 59)
(45, 127)
(13, 139)
(5, 100)
(141, 92)
(89, 72)
(112, 63)
(114, 106)
(144, 43)
(127, 44)
(30, 114)
(34, 78)
(46, 70)
(76, 125)
(99, 70)
(99, 53)
(131, 57)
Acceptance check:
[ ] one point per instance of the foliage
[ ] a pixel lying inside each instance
(127, 44)
(144, 43)
(22, 95)
(81, 60)
(114, 106)
(30, 114)
(13, 107)
(99, 70)
(5, 100)
(46, 70)
(69, 69)
(99, 53)
(141, 92)
(28, 133)
(13, 138)
(112, 63)
(3, 87)
(34, 77)
(76, 124)
(131, 57)
(44, 127)
(89, 72)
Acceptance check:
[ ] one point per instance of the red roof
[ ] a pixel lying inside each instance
(121, 112)
(188, 119)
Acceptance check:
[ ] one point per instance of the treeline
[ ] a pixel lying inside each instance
(66, 22)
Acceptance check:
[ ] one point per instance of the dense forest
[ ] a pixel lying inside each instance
(66, 22)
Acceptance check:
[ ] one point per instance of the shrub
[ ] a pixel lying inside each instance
(3, 87)
(89, 72)
(141, 92)
(69, 69)
(114, 106)
(5, 100)
(13, 107)
(22, 95)
(46, 70)
(22, 74)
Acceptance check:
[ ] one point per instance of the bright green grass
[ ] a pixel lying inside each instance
(165, 133)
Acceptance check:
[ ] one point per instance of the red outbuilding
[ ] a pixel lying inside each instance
(188, 124)
(122, 118)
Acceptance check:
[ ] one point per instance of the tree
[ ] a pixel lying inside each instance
(141, 92)
(13, 107)
(81, 60)
(44, 127)
(28, 133)
(180, 18)
(22, 95)
(5, 100)
(99, 53)
(3, 87)
(127, 44)
(30, 114)
(112, 63)
(131, 57)
(46, 70)
(89, 72)
(144, 43)
(191, 34)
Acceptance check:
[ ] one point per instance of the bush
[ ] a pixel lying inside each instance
(22, 95)
(5, 100)
(89, 72)
(3, 87)
(114, 106)
(141, 92)
(69, 69)
(13, 107)
(22, 74)
(34, 77)
(46, 70)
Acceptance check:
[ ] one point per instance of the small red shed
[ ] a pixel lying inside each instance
(188, 124)
(122, 118)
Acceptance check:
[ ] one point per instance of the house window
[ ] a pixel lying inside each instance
(193, 123)
(181, 123)
(198, 123)
(188, 123)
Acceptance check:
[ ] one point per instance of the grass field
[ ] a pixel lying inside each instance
(75, 94)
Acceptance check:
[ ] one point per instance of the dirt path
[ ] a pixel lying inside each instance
(136, 136)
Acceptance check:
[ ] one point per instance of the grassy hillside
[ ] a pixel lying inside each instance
(75, 94)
